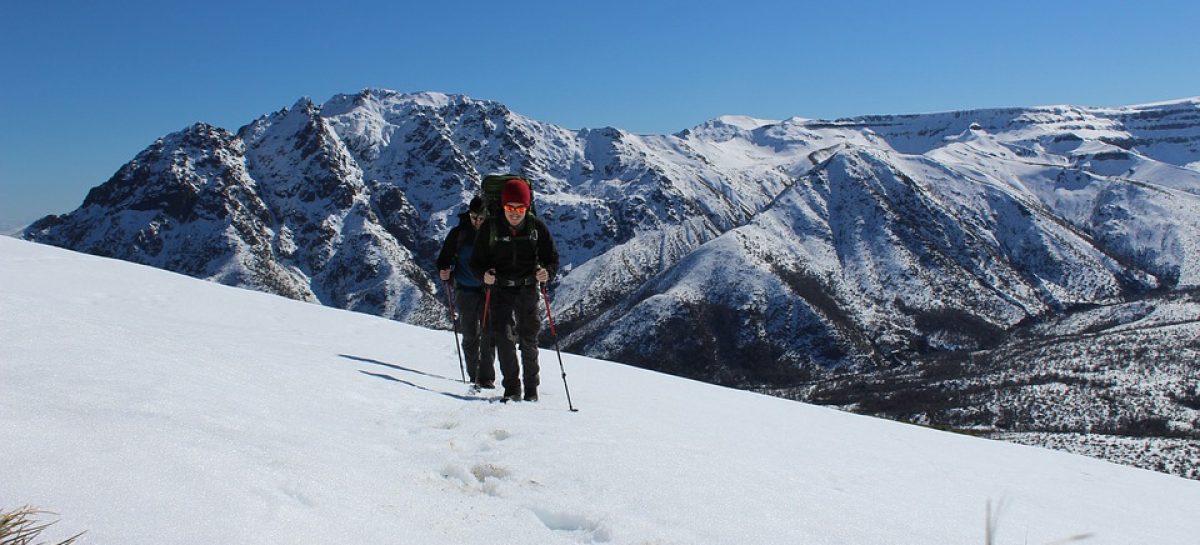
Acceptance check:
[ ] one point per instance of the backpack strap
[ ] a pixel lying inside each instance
(531, 225)
(533, 237)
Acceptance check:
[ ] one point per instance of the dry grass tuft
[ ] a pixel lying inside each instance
(20, 527)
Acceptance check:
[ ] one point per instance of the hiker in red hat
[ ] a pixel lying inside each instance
(513, 255)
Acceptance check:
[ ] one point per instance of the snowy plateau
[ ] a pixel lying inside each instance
(146, 407)
(1024, 273)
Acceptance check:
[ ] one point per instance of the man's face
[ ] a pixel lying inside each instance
(476, 220)
(514, 212)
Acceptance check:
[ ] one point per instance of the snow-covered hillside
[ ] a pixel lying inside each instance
(147, 407)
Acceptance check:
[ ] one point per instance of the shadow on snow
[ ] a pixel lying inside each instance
(391, 378)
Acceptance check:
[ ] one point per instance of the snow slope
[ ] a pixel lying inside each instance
(148, 407)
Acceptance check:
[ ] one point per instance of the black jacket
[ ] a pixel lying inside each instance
(514, 253)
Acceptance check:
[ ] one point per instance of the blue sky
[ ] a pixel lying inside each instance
(86, 85)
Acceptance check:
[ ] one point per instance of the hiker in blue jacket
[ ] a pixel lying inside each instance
(455, 260)
(513, 255)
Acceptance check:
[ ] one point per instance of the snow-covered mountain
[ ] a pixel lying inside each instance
(145, 407)
(742, 251)
(1115, 381)
(12, 229)
(280, 207)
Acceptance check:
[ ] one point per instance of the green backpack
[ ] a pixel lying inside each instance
(492, 184)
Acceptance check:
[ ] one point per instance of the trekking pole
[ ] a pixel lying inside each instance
(454, 324)
(487, 301)
(554, 333)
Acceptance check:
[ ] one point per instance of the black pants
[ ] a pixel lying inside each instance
(516, 307)
(476, 341)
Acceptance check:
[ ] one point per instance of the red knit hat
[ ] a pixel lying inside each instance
(515, 190)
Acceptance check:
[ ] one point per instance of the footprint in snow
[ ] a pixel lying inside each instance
(588, 530)
(483, 472)
(485, 478)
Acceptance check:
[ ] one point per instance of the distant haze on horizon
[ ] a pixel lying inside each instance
(95, 84)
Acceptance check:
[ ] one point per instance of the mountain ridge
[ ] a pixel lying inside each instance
(741, 251)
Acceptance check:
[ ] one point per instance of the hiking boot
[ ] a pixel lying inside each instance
(531, 395)
(511, 396)
(488, 385)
